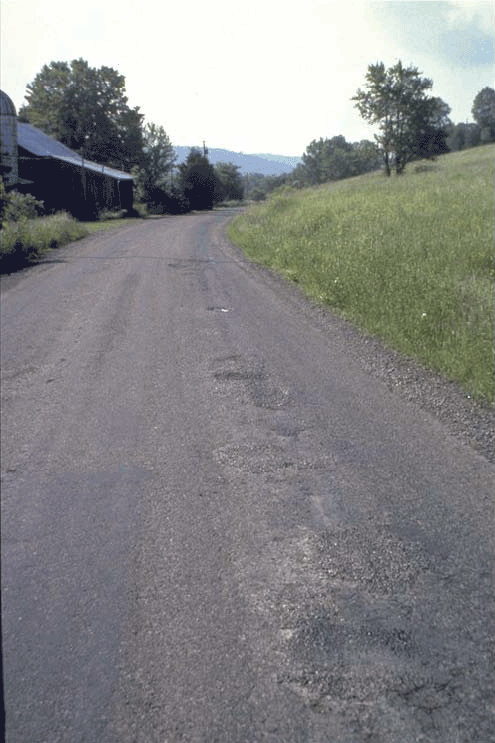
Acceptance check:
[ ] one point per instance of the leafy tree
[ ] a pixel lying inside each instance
(157, 162)
(366, 156)
(396, 100)
(273, 182)
(45, 99)
(199, 183)
(462, 136)
(325, 160)
(229, 175)
(159, 155)
(456, 139)
(298, 176)
(483, 111)
(86, 109)
(430, 128)
(167, 199)
(255, 186)
(333, 159)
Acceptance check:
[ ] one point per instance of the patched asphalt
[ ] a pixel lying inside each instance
(219, 522)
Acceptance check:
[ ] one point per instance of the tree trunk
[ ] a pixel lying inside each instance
(387, 162)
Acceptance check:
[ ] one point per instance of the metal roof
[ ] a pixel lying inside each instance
(40, 144)
(7, 108)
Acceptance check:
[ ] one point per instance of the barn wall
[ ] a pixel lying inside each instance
(65, 187)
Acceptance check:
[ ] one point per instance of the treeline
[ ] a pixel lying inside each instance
(87, 109)
(411, 126)
(324, 160)
(195, 184)
(465, 135)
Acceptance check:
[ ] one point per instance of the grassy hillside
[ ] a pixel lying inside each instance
(407, 259)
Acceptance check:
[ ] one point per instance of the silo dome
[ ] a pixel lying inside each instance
(8, 140)
(7, 108)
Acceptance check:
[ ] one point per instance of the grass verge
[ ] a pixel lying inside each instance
(107, 224)
(408, 259)
(25, 241)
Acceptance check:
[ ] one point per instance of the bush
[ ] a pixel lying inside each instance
(169, 200)
(257, 194)
(140, 209)
(25, 241)
(107, 214)
(16, 206)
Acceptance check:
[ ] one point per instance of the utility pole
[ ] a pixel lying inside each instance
(205, 149)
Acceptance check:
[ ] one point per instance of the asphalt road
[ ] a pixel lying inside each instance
(216, 525)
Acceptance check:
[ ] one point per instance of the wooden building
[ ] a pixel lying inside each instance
(64, 180)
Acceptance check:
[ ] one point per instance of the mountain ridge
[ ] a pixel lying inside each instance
(265, 163)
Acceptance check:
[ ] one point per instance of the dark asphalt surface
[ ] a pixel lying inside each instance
(216, 525)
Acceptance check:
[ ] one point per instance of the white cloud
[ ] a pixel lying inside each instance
(481, 15)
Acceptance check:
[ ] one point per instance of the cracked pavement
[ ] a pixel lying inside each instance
(218, 522)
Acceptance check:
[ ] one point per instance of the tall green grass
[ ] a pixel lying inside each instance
(408, 259)
(25, 241)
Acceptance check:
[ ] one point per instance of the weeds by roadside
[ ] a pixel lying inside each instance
(26, 240)
(108, 224)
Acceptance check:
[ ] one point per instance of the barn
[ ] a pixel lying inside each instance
(57, 175)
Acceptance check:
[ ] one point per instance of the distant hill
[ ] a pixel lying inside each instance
(258, 163)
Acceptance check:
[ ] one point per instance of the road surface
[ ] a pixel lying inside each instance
(216, 525)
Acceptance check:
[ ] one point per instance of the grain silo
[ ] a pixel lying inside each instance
(8, 140)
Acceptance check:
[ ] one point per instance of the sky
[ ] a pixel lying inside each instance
(263, 76)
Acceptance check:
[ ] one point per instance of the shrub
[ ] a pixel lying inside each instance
(140, 209)
(107, 214)
(25, 241)
(257, 194)
(16, 206)
(169, 200)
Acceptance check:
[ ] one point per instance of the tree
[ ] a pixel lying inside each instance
(483, 111)
(159, 155)
(325, 160)
(396, 100)
(430, 128)
(333, 159)
(198, 180)
(154, 178)
(229, 175)
(462, 136)
(274, 182)
(255, 186)
(457, 138)
(157, 161)
(366, 155)
(86, 109)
